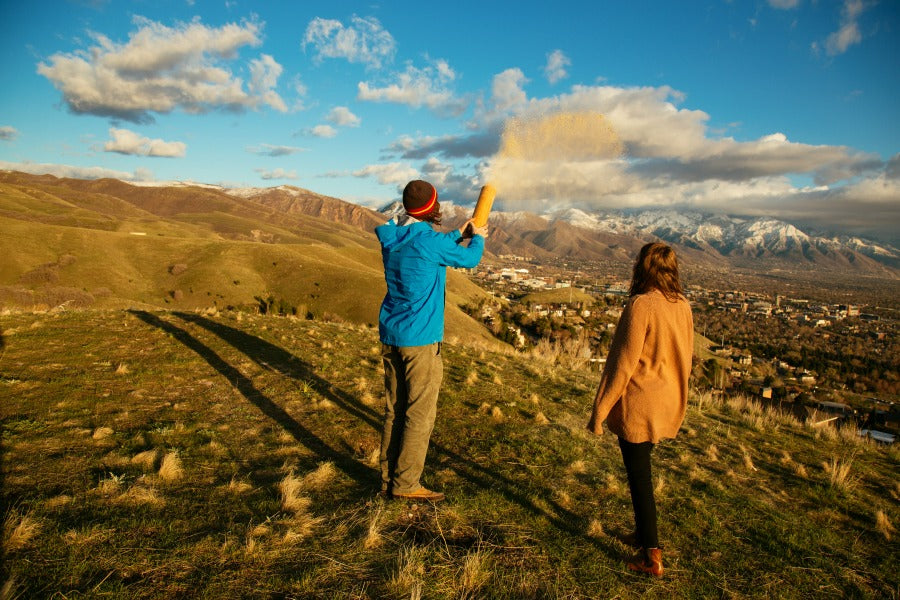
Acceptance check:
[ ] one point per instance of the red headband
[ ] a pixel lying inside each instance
(416, 212)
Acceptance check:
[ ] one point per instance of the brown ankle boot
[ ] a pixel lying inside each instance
(647, 561)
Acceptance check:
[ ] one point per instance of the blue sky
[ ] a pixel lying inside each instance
(782, 108)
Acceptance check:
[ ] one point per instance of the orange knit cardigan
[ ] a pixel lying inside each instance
(643, 390)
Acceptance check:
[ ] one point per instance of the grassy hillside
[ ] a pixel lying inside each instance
(109, 244)
(176, 454)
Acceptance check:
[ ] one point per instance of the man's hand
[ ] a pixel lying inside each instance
(468, 230)
(594, 426)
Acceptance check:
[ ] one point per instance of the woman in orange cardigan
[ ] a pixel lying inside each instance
(643, 390)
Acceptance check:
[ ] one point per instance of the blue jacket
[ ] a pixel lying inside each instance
(416, 258)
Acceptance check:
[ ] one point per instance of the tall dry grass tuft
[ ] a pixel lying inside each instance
(838, 471)
(748, 460)
(475, 572)
(170, 469)
(146, 459)
(472, 378)
(373, 537)
(321, 477)
(292, 499)
(595, 529)
(101, 433)
(541, 419)
(712, 453)
(18, 531)
(883, 524)
(407, 579)
(497, 414)
(239, 487)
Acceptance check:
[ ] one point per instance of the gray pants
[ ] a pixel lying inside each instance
(412, 380)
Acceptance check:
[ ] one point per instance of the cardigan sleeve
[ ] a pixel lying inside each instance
(624, 354)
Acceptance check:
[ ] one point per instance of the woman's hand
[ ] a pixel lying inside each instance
(595, 426)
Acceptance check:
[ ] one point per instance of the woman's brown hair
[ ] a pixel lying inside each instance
(656, 268)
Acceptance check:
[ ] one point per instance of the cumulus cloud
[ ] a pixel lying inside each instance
(848, 34)
(76, 172)
(555, 69)
(364, 40)
(341, 115)
(664, 154)
(428, 87)
(276, 174)
(321, 131)
(160, 69)
(271, 150)
(8, 133)
(125, 141)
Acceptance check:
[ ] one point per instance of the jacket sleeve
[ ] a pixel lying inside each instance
(446, 249)
(624, 355)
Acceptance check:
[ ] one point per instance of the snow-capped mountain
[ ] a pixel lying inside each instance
(727, 235)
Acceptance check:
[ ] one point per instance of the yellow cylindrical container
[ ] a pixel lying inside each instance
(484, 204)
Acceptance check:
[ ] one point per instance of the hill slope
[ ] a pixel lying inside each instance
(111, 244)
(170, 454)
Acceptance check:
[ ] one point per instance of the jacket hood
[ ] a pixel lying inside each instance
(393, 236)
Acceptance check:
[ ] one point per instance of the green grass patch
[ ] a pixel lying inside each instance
(177, 454)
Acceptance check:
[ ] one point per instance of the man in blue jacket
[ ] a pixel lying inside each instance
(411, 325)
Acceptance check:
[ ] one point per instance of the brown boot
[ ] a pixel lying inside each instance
(647, 561)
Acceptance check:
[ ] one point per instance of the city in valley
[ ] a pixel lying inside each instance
(817, 355)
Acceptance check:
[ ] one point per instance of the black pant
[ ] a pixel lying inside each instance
(640, 483)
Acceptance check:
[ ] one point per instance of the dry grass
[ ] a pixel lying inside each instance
(321, 477)
(595, 529)
(472, 378)
(170, 469)
(883, 524)
(122, 369)
(101, 433)
(838, 471)
(140, 495)
(146, 460)
(497, 414)
(18, 531)
(541, 419)
(712, 453)
(475, 572)
(292, 498)
(239, 487)
(407, 579)
(373, 537)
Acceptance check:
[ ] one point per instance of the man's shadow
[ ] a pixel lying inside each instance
(271, 357)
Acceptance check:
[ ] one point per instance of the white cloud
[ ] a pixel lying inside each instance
(125, 141)
(428, 86)
(323, 131)
(363, 41)
(75, 172)
(555, 69)
(8, 133)
(390, 173)
(276, 174)
(162, 68)
(341, 115)
(271, 150)
(848, 34)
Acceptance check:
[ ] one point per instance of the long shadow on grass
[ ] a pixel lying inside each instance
(270, 356)
(276, 358)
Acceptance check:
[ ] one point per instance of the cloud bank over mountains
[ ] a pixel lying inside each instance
(670, 156)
